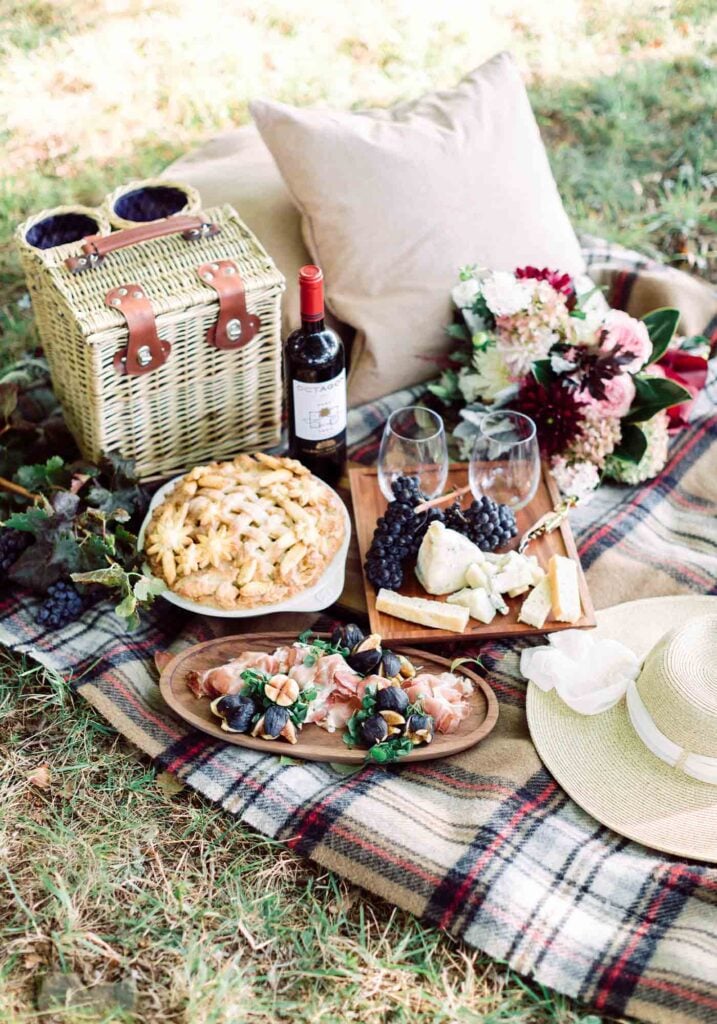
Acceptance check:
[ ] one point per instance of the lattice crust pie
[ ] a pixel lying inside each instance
(250, 532)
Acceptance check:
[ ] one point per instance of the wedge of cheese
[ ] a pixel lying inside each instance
(437, 614)
(564, 588)
(479, 574)
(443, 557)
(537, 605)
(477, 601)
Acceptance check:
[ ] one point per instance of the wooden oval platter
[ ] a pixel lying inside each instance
(315, 744)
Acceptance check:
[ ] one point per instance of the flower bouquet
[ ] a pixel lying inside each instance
(603, 388)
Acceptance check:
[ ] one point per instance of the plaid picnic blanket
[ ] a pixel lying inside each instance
(485, 844)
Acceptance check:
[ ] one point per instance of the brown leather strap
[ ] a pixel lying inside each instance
(96, 247)
(235, 326)
(145, 351)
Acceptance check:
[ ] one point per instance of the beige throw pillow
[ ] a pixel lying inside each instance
(394, 202)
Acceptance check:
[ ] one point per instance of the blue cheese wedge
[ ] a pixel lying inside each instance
(443, 557)
(437, 614)
(477, 601)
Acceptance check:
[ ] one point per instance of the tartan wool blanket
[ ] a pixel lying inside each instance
(485, 844)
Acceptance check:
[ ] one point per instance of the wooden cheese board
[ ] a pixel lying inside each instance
(369, 503)
(314, 743)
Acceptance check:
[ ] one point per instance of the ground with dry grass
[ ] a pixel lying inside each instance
(106, 869)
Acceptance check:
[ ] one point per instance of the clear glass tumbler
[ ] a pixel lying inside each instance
(505, 464)
(414, 444)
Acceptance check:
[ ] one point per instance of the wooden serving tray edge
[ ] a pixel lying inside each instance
(407, 632)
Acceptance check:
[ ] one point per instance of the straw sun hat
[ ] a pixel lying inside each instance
(647, 768)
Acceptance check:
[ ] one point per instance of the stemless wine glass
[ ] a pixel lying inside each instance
(505, 464)
(413, 444)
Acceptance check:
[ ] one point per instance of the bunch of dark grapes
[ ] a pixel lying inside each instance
(484, 522)
(400, 530)
(398, 534)
(63, 604)
(12, 545)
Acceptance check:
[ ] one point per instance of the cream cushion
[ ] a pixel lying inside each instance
(237, 168)
(394, 202)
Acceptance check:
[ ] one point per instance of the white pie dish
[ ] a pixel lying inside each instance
(325, 592)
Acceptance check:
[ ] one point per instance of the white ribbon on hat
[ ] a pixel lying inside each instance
(698, 766)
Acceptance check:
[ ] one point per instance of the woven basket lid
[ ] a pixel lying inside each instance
(166, 268)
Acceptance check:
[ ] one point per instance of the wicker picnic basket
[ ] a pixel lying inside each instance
(163, 339)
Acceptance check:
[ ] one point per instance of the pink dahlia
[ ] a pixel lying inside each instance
(618, 394)
(562, 283)
(624, 334)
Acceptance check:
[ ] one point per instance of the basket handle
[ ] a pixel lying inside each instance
(96, 247)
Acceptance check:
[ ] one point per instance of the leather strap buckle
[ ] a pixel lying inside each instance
(235, 326)
(145, 351)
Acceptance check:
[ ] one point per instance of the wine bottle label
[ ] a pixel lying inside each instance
(320, 409)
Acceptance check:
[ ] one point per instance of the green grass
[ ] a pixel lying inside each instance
(112, 871)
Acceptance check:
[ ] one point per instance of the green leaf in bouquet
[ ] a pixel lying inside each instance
(652, 395)
(661, 325)
(459, 332)
(633, 444)
(35, 569)
(542, 372)
(32, 520)
(696, 341)
(446, 388)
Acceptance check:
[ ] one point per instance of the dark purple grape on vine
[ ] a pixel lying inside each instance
(12, 545)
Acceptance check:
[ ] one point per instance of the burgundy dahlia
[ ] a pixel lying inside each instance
(562, 283)
(556, 411)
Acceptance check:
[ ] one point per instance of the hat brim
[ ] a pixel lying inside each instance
(603, 765)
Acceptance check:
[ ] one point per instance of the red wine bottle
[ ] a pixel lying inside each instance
(315, 378)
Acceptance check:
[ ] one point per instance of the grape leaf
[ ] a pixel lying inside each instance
(65, 505)
(66, 553)
(127, 606)
(148, 587)
(43, 477)
(114, 576)
(35, 569)
(32, 520)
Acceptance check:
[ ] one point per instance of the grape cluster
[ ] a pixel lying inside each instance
(12, 545)
(400, 530)
(398, 534)
(63, 604)
(487, 524)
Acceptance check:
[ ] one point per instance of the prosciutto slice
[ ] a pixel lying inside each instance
(442, 696)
